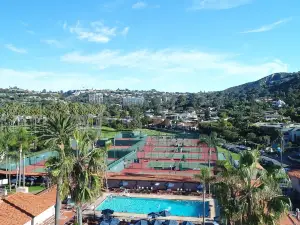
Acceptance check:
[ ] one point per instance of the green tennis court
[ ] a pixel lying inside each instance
(162, 155)
(177, 149)
(178, 165)
(39, 170)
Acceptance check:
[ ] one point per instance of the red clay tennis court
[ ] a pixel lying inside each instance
(168, 155)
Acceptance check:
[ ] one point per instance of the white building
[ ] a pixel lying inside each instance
(128, 101)
(96, 98)
(278, 103)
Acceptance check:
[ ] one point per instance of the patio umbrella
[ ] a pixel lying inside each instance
(123, 183)
(200, 187)
(171, 222)
(114, 221)
(170, 185)
(187, 223)
(157, 222)
(141, 222)
(165, 213)
(107, 211)
(104, 222)
(153, 215)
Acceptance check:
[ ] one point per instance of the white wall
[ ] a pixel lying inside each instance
(38, 220)
(44, 215)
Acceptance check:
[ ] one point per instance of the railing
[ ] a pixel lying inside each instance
(130, 156)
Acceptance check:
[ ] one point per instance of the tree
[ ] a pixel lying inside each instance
(56, 133)
(207, 114)
(21, 139)
(205, 178)
(248, 195)
(251, 136)
(88, 171)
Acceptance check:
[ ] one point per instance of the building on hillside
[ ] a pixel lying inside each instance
(128, 101)
(27, 209)
(96, 98)
(278, 104)
(295, 179)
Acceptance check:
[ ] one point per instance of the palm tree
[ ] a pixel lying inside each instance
(87, 174)
(248, 195)
(205, 178)
(21, 139)
(6, 142)
(56, 133)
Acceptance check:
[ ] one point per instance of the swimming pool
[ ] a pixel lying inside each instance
(148, 205)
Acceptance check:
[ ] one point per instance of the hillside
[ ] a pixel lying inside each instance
(280, 81)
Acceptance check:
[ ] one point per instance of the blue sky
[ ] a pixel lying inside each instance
(169, 45)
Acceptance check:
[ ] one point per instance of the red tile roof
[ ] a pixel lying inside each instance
(19, 208)
(289, 220)
(294, 173)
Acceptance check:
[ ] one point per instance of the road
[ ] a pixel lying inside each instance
(286, 162)
(275, 161)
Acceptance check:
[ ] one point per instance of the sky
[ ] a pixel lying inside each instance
(167, 45)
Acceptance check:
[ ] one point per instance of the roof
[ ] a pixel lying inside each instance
(289, 220)
(10, 215)
(151, 177)
(294, 173)
(18, 208)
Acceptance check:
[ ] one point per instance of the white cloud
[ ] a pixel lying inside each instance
(65, 25)
(30, 32)
(139, 5)
(175, 62)
(217, 4)
(96, 32)
(15, 49)
(124, 32)
(267, 27)
(38, 80)
(53, 42)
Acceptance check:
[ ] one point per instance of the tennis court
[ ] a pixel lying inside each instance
(176, 165)
(167, 155)
(177, 149)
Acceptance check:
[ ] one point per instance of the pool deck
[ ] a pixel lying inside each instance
(134, 216)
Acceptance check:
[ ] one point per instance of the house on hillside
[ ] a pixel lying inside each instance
(295, 179)
(278, 104)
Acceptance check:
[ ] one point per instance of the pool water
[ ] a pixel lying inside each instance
(148, 205)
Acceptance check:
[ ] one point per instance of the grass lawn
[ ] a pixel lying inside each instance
(108, 132)
(31, 189)
(153, 132)
(235, 156)
(36, 189)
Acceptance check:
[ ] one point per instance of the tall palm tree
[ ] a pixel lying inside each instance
(86, 177)
(21, 139)
(248, 195)
(205, 178)
(6, 142)
(56, 133)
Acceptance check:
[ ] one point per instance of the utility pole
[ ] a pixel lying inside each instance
(281, 150)
(9, 180)
(20, 168)
(209, 154)
(24, 170)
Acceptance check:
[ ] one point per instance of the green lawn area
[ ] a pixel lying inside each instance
(235, 156)
(31, 189)
(108, 132)
(153, 132)
(36, 189)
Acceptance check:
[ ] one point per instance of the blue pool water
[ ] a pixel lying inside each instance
(148, 205)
